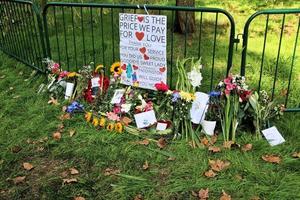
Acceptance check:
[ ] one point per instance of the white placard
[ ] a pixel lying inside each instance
(69, 90)
(117, 96)
(273, 136)
(145, 119)
(143, 43)
(161, 126)
(199, 107)
(95, 82)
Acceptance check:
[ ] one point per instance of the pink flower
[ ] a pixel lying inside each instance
(112, 116)
(149, 106)
(230, 86)
(228, 80)
(161, 86)
(117, 110)
(227, 92)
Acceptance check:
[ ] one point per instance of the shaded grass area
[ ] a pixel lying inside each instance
(26, 119)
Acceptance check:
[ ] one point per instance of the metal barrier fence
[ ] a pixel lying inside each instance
(80, 33)
(20, 33)
(76, 34)
(275, 70)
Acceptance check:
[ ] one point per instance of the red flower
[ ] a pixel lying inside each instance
(105, 81)
(161, 86)
(88, 93)
(245, 94)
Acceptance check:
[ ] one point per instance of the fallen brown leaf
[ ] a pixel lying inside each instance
(225, 196)
(145, 165)
(70, 180)
(214, 149)
(73, 171)
(53, 101)
(228, 144)
(56, 136)
(110, 171)
(271, 158)
(65, 116)
(19, 179)
(79, 198)
(210, 174)
(205, 141)
(203, 194)
(64, 108)
(138, 197)
(296, 155)
(16, 149)
(213, 139)
(27, 166)
(126, 121)
(143, 142)
(171, 158)
(218, 165)
(247, 147)
(161, 143)
(72, 132)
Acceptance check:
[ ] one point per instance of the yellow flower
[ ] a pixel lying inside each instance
(110, 127)
(186, 96)
(98, 68)
(116, 68)
(102, 122)
(136, 84)
(88, 116)
(119, 127)
(95, 121)
(72, 74)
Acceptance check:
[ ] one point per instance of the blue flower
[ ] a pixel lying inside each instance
(75, 106)
(175, 96)
(215, 93)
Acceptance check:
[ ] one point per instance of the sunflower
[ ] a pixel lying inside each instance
(116, 68)
(102, 122)
(95, 121)
(110, 127)
(119, 127)
(88, 116)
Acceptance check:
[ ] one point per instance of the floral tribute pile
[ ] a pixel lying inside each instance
(96, 92)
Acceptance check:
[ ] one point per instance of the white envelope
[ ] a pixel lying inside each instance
(199, 107)
(273, 136)
(145, 119)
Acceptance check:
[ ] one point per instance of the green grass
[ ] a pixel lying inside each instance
(26, 119)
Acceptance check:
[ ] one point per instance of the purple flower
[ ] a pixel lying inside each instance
(215, 93)
(75, 106)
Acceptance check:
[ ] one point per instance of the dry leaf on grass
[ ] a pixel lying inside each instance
(72, 132)
(79, 198)
(214, 149)
(271, 158)
(145, 165)
(73, 171)
(126, 120)
(213, 139)
(56, 136)
(228, 144)
(203, 194)
(16, 149)
(138, 197)
(225, 196)
(218, 165)
(65, 116)
(19, 179)
(110, 171)
(27, 166)
(70, 180)
(171, 158)
(210, 174)
(143, 142)
(205, 141)
(247, 147)
(53, 101)
(161, 143)
(296, 155)
(60, 127)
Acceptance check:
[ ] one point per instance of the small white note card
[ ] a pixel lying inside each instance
(199, 107)
(145, 119)
(117, 96)
(273, 136)
(161, 126)
(95, 82)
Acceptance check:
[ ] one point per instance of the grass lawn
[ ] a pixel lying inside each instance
(28, 122)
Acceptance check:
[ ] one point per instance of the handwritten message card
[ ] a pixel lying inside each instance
(273, 136)
(145, 119)
(143, 42)
(199, 107)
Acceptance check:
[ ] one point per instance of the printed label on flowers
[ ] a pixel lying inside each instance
(143, 42)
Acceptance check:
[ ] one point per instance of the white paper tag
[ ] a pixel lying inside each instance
(145, 119)
(117, 96)
(273, 136)
(69, 90)
(95, 82)
(199, 107)
(161, 126)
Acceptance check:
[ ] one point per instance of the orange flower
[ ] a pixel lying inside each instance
(119, 127)
(88, 116)
(110, 127)
(95, 121)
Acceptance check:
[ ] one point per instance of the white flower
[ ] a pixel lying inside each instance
(195, 77)
(125, 107)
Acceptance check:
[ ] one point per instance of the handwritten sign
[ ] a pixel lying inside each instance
(143, 42)
(273, 136)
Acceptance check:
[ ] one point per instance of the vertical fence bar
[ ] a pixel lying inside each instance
(278, 56)
(74, 39)
(200, 37)
(56, 34)
(214, 53)
(82, 33)
(14, 48)
(172, 42)
(65, 34)
(185, 34)
(102, 36)
(93, 41)
(263, 53)
(113, 33)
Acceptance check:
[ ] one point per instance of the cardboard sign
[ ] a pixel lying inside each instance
(143, 43)
(273, 136)
(199, 107)
(117, 96)
(145, 119)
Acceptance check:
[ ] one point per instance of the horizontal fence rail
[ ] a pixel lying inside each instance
(78, 34)
(20, 33)
(277, 69)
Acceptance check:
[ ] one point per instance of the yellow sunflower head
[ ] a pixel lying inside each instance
(102, 122)
(110, 127)
(116, 68)
(88, 116)
(95, 121)
(119, 127)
